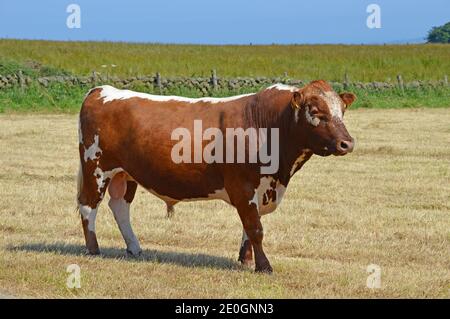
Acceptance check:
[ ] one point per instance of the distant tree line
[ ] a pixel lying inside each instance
(440, 34)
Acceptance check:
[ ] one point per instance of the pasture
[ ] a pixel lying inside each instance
(363, 63)
(387, 204)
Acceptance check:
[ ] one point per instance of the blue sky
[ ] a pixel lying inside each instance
(223, 22)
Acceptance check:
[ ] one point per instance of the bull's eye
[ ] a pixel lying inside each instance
(314, 111)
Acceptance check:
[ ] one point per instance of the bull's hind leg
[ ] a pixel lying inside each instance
(122, 194)
(90, 195)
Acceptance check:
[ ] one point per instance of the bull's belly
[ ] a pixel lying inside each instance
(217, 194)
(267, 198)
(267, 195)
(176, 183)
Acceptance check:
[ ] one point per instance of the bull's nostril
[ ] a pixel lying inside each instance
(344, 145)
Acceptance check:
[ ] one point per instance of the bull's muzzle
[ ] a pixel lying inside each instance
(344, 146)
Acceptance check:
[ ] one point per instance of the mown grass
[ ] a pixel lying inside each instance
(67, 99)
(385, 204)
(363, 63)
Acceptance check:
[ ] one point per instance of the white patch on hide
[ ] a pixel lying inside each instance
(244, 238)
(298, 162)
(109, 93)
(283, 87)
(89, 214)
(91, 152)
(314, 121)
(101, 177)
(334, 103)
(121, 211)
(262, 190)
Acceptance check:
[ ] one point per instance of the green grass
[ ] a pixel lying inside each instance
(60, 98)
(29, 68)
(330, 62)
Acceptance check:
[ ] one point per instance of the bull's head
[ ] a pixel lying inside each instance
(320, 111)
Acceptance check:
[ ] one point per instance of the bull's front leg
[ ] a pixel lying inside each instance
(248, 212)
(246, 250)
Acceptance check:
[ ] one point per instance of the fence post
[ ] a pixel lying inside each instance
(21, 80)
(445, 80)
(214, 79)
(158, 82)
(400, 83)
(346, 81)
(94, 78)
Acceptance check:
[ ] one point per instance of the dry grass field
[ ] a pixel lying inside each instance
(388, 203)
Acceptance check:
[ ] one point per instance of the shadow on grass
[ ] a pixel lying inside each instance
(148, 255)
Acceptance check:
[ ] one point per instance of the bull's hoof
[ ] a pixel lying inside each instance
(265, 269)
(134, 253)
(92, 252)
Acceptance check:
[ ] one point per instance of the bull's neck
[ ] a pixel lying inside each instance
(272, 109)
(293, 152)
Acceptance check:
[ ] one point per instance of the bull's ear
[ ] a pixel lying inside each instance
(298, 100)
(348, 98)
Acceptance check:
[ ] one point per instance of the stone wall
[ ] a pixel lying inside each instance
(203, 84)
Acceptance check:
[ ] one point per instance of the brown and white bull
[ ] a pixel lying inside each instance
(125, 141)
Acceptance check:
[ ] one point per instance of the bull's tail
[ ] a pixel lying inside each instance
(79, 183)
(80, 170)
